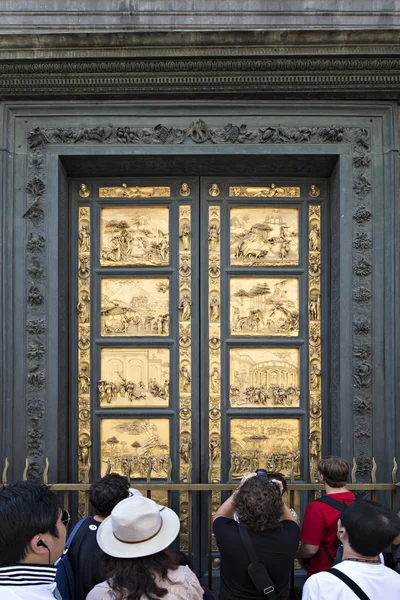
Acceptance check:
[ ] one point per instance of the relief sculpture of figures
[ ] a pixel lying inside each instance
(135, 307)
(135, 444)
(185, 237)
(185, 308)
(273, 444)
(83, 308)
(213, 237)
(185, 449)
(134, 236)
(264, 236)
(315, 242)
(134, 192)
(84, 238)
(84, 379)
(134, 377)
(84, 449)
(268, 306)
(215, 380)
(315, 377)
(267, 377)
(265, 192)
(185, 379)
(214, 309)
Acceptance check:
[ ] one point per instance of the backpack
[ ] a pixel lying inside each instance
(65, 579)
(334, 560)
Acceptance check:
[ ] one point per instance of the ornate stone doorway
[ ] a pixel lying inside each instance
(199, 312)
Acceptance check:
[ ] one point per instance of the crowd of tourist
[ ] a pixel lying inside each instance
(348, 546)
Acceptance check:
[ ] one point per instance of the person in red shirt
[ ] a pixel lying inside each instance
(319, 531)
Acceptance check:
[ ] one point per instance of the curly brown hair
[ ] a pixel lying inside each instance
(135, 578)
(258, 504)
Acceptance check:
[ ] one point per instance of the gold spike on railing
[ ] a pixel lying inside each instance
(4, 477)
(149, 470)
(210, 468)
(292, 472)
(394, 471)
(189, 473)
(230, 474)
(169, 474)
(26, 470)
(108, 470)
(46, 472)
(86, 474)
(128, 469)
(373, 471)
(354, 471)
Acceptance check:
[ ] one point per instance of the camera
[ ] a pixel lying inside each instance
(262, 473)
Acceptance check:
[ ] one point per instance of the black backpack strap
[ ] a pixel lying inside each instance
(333, 503)
(350, 583)
(325, 549)
(257, 572)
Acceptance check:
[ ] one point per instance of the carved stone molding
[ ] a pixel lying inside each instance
(379, 76)
(198, 132)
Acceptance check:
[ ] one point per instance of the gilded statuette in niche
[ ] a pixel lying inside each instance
(264, 377)
(132, 235)
(273, 444)
(214, 190)
(264, 236)
(124, 191)
(134, 377)
(314, 192)
(272, 191)
(264, 306)
(84, 191)
(140, 445)
(185, 190)
(135, 307)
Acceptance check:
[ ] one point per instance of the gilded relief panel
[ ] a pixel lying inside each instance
(135, 307)
(140, 447)
(264, 306)
(124, 191)
(214, 328)
(271, 191)
(134, 377)
(315, 358)
(134, 236)
(273, 444)
(83, 351)
(264, 236)
(264, 377)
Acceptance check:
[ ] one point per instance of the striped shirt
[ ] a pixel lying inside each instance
(27, 582)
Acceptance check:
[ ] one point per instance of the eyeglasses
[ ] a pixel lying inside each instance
(65, 517)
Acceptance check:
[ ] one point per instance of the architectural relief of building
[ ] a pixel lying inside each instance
(200, 257)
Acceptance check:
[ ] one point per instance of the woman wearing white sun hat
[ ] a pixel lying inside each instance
(135, 559)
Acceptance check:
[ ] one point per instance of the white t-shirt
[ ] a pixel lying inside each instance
(377, 581)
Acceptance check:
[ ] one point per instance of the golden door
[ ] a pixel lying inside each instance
(198, 327)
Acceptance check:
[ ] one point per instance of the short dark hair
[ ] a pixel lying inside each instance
(26, 509)
(258, 504)
(105, 493)
(335, 471)
(370, 526)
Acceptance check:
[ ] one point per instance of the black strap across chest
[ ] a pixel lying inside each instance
(257, 572)
(350, 583)
(338, 506)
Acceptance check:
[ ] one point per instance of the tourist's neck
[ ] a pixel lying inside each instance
(348, 552)
(331, 490)
(98, 518)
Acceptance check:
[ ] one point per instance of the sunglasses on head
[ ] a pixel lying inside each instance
(65, 517)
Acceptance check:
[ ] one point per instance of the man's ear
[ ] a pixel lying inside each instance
(35, 547)
(321, 478)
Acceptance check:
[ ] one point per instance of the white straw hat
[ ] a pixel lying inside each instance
(137, 527)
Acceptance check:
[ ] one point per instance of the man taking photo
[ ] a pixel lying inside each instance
(319, 532)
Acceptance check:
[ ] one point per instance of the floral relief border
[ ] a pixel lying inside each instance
(198, 133)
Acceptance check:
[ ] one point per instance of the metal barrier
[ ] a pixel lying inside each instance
(296, 494)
